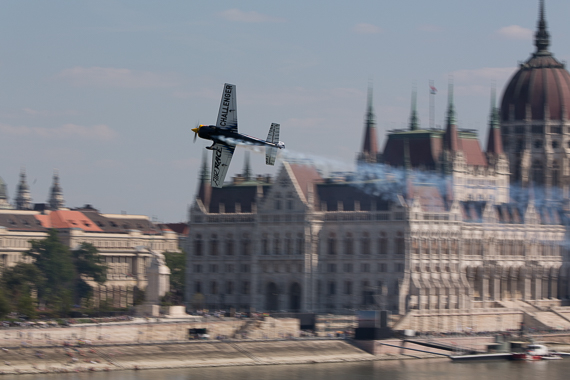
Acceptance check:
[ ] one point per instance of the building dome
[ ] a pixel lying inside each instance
(540, 89)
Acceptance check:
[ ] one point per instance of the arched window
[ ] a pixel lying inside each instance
(276, 244)
(198, 245)
(229, 287)
(264, 245)
(400, 247)
(230, 245)
(300, 244)
(383, 244)
(214, 245)
(537, 173)
(288, 244)
(365, 244)
(332, 288)
(348, 244)
(331, 244)
(245, 245)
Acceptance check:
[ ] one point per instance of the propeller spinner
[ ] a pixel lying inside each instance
(195, 130)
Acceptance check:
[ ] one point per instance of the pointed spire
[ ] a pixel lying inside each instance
(204, 185)
(56, 194)
(541, 37)
(494, 141)
(451, 118)
(23, 199)
(451, 138)
(369, 151)
(205, 172)
(246, 167)
(414, 120)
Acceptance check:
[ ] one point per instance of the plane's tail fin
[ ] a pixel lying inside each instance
(272, 137)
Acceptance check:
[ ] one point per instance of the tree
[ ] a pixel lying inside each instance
(5, 307)
(88, 266)
(19, 282)
(54, 261)
(176, 262)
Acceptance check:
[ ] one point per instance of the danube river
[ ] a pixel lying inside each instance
(440, 369)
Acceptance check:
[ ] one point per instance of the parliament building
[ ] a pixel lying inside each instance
(429, 228)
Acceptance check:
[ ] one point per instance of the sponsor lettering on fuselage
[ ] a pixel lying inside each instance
(217, 163)
(225, 105)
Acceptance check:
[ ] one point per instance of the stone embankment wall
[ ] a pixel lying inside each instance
(176, 355)
(476, 320)
(149, 332)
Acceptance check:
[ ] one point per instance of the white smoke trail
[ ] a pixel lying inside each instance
(388, 182)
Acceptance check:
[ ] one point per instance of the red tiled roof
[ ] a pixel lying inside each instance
(69, 219)
(306, 176)
(473, 153)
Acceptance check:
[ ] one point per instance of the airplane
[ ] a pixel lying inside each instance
(225, 137)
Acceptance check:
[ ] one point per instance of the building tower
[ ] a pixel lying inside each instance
(535, 119)
(247, 175)
(55, 200)
(369, 152)
(23, 198)
(3, 196)
(204, 185)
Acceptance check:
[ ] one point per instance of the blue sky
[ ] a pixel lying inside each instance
(107, 91)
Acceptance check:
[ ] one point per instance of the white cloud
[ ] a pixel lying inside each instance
(251, 16)
(97, 132)
(515, 32)
(115, 77)
(364, 28)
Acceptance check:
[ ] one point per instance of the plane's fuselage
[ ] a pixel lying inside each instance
(228, 136)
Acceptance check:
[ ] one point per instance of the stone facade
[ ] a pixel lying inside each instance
(118, 238)
(333, 248)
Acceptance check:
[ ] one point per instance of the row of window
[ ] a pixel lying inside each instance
(365, 247)
(364, 267)
(215, 268)
(535, 129)
(15, 243)
(228, 287)
(280, 268)
(370, 292)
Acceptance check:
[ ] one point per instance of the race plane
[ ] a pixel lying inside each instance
(225, 137)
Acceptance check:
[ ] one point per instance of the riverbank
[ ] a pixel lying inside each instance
(27, 359)
(31, 360)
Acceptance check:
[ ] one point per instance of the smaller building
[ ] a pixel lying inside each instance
(122, 240)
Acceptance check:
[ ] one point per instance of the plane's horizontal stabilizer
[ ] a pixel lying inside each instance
(270, 155)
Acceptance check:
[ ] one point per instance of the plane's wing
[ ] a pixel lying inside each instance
(227, 116)
(221, 158)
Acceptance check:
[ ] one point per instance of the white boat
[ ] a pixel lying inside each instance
(535, 352)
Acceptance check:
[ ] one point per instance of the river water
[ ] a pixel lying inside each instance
(440, 369)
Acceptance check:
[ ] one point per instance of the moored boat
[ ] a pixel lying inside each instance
(535, 352)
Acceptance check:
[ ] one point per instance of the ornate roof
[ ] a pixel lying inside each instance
(540, 89)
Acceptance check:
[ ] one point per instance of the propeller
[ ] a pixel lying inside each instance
(195, 130)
